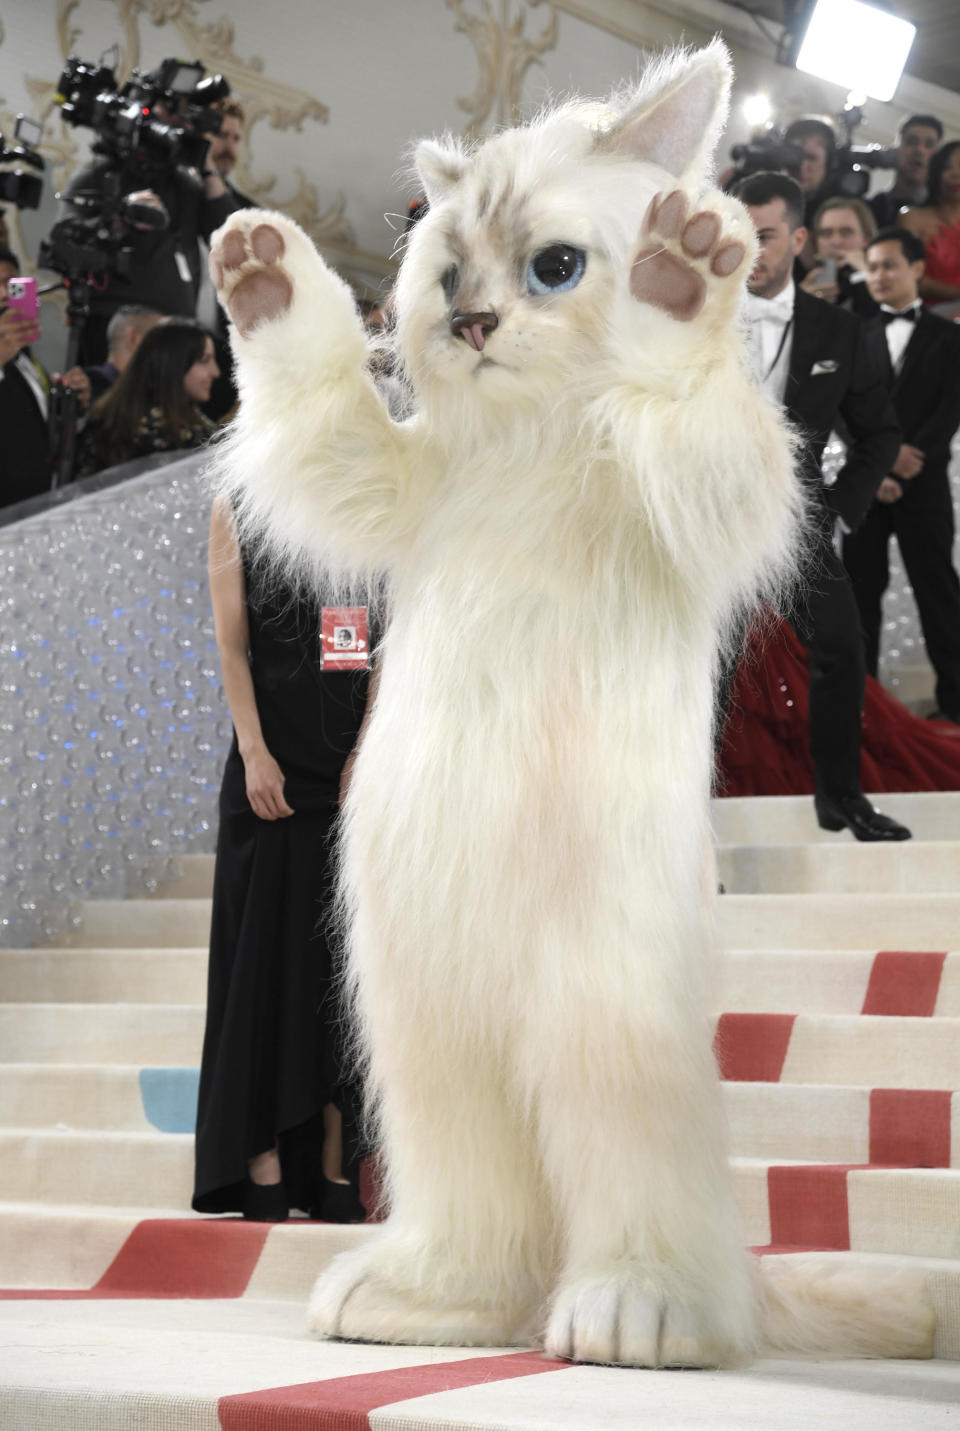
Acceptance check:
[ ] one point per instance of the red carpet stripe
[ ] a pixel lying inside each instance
(344, 1402)
(904, 985)
(751, 1048)
(174, 1257)
(808, 1206)
(910, 1127)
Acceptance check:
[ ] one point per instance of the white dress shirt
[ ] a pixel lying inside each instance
(900, 330)
(770, 339)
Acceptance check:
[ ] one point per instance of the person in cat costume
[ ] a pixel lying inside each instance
(590, 489)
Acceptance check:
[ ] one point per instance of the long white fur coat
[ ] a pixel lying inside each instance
(590, 488)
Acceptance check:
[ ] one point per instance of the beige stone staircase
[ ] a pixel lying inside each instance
(100, 1038)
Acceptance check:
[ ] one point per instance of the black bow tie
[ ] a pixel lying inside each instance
(909, 315)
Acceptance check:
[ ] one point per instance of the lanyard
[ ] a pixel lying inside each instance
(779, 353)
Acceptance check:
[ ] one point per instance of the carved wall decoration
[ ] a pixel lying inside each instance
(504, 54)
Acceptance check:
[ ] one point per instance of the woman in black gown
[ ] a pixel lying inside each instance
(276, 1122)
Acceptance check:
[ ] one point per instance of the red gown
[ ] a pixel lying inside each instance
(943, 257)
(766, 742)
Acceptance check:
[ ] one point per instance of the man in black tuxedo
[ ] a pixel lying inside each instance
(913, 503)
(816, 361)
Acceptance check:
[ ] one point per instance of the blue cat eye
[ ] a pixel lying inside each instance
(555, 268)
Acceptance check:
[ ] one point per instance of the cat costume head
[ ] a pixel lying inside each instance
(513, 281)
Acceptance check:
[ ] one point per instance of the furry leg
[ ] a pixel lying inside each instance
(655, 1270)
(459, 1261)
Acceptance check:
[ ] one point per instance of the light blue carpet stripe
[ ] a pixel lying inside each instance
(170, 1098)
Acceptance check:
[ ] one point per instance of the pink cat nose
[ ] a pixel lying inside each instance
(473, 327)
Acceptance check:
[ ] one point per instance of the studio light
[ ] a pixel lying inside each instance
(757, 110)
(856, 45)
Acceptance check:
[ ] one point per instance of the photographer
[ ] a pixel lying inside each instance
(165, 165)
(917, 139)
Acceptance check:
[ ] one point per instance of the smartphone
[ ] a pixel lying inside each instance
(827, 272)
(22, 299)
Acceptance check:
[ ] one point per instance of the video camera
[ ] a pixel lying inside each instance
(125, 119)
(17, 187)
(93, 241)
(848, 173)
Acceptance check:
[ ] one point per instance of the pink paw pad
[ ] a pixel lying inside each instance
(262, 291)
(666, 280)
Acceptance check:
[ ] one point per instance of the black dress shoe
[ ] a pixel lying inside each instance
(338, 1203)
(265, 1202)
(855, 813)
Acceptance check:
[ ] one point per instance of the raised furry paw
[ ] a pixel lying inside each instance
(617, 1322)
(679, 255)
(246, 268)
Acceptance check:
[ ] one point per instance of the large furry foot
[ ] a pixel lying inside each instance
(684, 255)
(623, 1321)
(352, 1302)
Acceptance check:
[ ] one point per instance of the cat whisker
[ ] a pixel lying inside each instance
(648, 257)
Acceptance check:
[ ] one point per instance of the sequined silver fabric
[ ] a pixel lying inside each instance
(113, 726)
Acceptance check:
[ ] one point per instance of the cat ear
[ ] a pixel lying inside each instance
(440, 167)
(676, 119)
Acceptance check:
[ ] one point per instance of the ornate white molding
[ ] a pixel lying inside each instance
(504, 54)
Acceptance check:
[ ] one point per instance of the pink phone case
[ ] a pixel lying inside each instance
(22, 299)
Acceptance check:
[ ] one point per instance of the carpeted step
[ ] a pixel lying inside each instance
(839, 1049)
(906, 1127)
(913, 1212)
(114, 1098)
(817, 1123)
(745, 921)
(142, 923)
(910, 1211)
(104, 1168)
(102, 1033)
(777, 980)
(832, 921)
(145, 1252)
(789, 819)
(913, 867)
(194, 879)
(126, 1251)
(92, 976)
(839, 981)
(230, 1364)
(842, 866)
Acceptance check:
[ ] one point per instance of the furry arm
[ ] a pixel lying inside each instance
(712, 468)
(313, 456)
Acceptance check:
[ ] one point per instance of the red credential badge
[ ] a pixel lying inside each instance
(344, 639)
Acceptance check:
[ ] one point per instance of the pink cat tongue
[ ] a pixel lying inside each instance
(474, 336)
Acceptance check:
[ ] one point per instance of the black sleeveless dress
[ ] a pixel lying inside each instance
(273, 1045)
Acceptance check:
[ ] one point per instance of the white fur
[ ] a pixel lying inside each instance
(527, 861)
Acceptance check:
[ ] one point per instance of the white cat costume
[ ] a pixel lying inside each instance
(590, 489)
